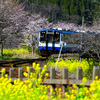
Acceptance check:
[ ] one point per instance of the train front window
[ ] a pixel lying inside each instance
(43, 36)
(56, 37)
(49, 38)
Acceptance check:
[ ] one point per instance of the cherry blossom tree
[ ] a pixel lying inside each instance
(12, 20)
(31, 31)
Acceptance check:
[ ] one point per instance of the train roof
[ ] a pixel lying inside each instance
(61, 31)
(71, 31)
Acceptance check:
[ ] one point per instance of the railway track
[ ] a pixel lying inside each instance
(15, 63)
(20, 63)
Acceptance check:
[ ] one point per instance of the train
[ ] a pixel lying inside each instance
(54, 40)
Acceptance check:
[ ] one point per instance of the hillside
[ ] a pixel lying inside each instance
(65, 10)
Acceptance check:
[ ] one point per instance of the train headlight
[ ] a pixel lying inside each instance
(42, 45)
(57, 32)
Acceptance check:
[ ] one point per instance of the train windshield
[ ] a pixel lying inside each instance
(49, 38)
(56, 37)
(43, 36)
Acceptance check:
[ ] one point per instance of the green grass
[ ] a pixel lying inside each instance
(7, 57)
(23, 66)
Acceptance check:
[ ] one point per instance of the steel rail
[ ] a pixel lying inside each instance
(21, 61)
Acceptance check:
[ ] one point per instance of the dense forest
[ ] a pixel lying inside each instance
(65, 10)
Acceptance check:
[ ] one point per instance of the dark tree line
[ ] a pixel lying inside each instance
(66, 10)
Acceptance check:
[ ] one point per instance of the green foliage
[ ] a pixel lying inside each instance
(49, 20)
(50, 59)
(8, 57)
(67, 7)
(37, 51)
(27, 48)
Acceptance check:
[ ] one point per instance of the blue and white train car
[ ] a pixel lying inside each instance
(51, 40)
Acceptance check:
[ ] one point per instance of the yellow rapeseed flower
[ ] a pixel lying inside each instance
(30, 85)
(1, 93)
(72, 97)
(31, 75)
(87, 92)
(48, 86)
(10, 80)
(82, 84)
(37, 65)
(96, 78)
(81, 99)
(74, 86)
(72, 91)
(45, 92)
(55, 89)
(80, 93)
(39, 80)
(15, 81)
(34, 65)
(84, 80)
(51, 90)
(25, 74)
(51, 97)
(33, 79)
(38, 68)
(95, 96)
(42, 97)
(3, 70)
(59, 89)
(46, 74)
(59, 96)
(66, 94)
(43, 70)
(28, 68)
(18, 80)
(45, 66)
(36, 83)
(6, 75)
(54, 99)
(92, 89)
(92, 84)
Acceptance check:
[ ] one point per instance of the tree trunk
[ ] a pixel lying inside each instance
(32, 46)
(1, 47)
(32, 50)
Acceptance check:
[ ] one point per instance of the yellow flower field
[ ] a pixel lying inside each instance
(72, 64)
(15, 51)
(33, 89)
